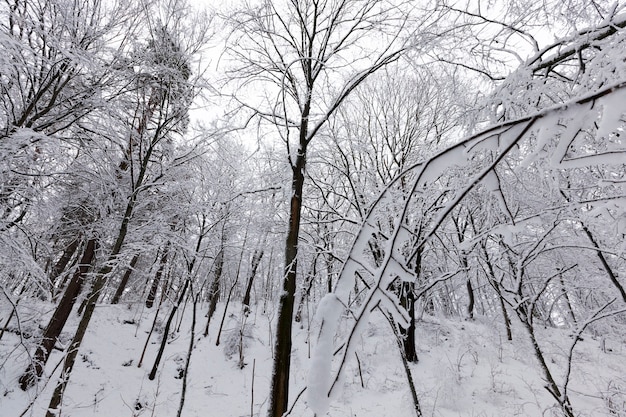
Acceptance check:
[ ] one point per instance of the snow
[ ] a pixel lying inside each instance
(319, 380)
(464, 369)
(612, 111)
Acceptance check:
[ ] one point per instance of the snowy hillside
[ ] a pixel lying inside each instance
(465, 369)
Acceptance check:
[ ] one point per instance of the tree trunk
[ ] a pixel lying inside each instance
(612, 275)
(568, 302)
(279, 391)
(308, 284)
(470, 295)
(72, 351)
(124, 281)
(214, 289)
(496, 287)
(166, 331)
(192, 337)
(551, 385)
(405, 364)
(407, 300)
(59, 318)
(256, 260)
(61, 264)
(157, 279)
(230, 293)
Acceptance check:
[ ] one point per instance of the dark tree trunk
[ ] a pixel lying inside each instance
(279, 390)
(59, 318)
(61, 264)
(407, 300)
(192, 337)
(405, 363)
(612, 275)
(157, 279)
(256, 260)
(551, 385)
(124, 281)
(230, 294)
(470, 295)
(166, 331)
(214, 290)
(13, 311)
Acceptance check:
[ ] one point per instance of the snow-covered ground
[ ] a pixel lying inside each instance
(465, 369)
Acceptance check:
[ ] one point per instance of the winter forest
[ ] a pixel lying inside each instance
(276, 208)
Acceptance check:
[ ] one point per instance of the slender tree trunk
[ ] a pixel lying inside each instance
(496, 287)
(279, 390)
(157, 279)
(329, 272)
(214, 290)
(58, 319)
(568, 302)
(13, 310)
(166, 331)
(407, 300)
(215, 284)
(256, 260)
(181, 298)
(405, 364)
(308, 284)
(505, 315)
(154, 321)
(230, 293)
(188, 360)
(612, 275)
(551, 386)
(124, 281)
(470, 295)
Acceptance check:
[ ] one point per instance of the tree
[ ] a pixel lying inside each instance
(309, 56)
(54, 72)
(163, 94)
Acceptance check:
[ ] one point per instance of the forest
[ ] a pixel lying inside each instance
(312, 208)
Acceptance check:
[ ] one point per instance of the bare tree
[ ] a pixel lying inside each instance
(308, 57)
